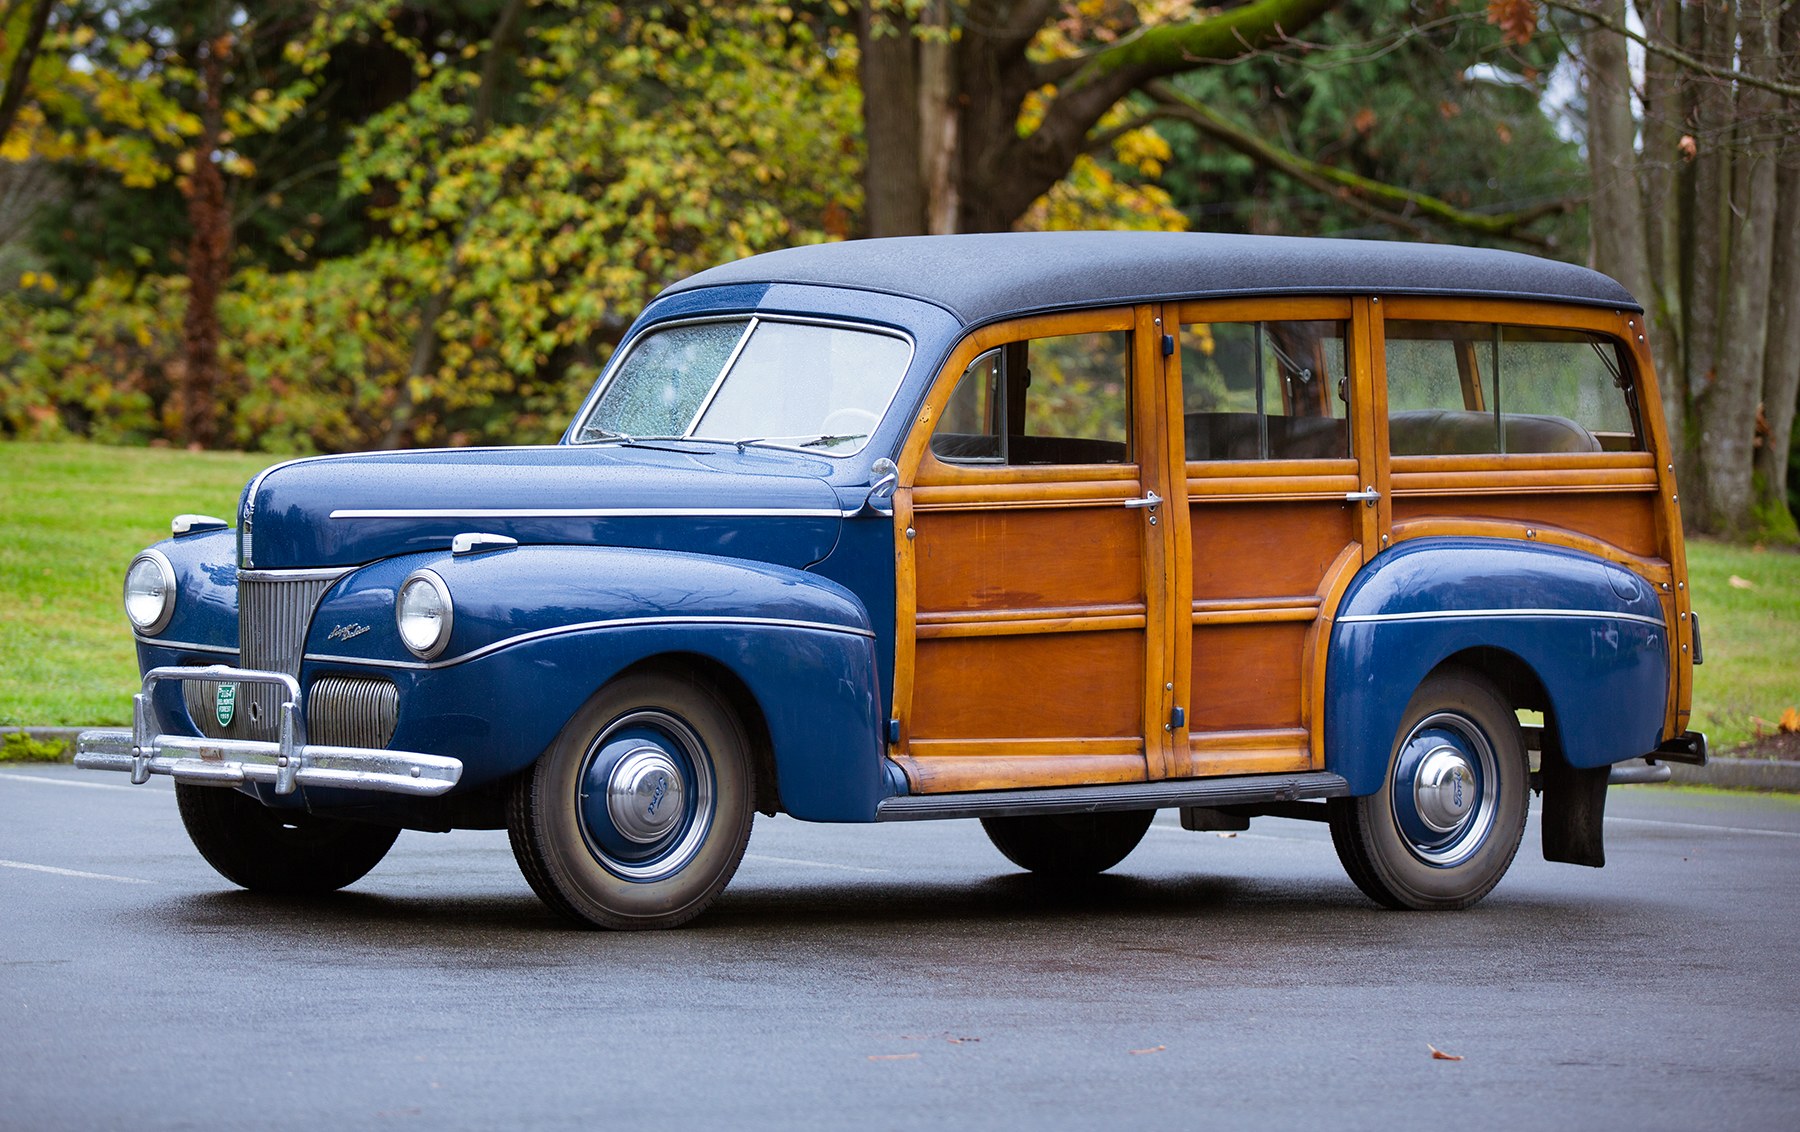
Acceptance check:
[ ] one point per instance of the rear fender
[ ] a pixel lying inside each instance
(1590, 632)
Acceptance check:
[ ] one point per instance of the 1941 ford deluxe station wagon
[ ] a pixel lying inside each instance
(1049, 530)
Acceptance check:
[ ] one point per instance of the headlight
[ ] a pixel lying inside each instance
(423, 613)
(150, 592)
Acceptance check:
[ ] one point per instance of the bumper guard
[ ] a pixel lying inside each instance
(286, 763)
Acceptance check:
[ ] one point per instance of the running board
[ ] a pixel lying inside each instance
(1241, 790)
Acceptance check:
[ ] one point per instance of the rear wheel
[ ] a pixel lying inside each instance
(639, 813)
(1448, 819)
(288, 852)
(1068, 844)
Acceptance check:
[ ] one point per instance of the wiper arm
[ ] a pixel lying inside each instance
(804, 440)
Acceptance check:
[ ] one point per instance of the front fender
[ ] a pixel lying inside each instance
(205, 617)
(537, 630)
(1590, 631)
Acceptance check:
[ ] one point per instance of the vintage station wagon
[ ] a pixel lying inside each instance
(1049, 530)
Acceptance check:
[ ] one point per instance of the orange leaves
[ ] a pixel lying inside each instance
(1516, 19)
(1439, 1055)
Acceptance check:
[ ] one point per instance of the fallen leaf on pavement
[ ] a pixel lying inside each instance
(1152, 1049)
(1439, 1055)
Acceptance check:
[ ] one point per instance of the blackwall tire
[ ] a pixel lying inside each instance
(283, 852)
(1448, 819)
(1068, 844)
(638, 815)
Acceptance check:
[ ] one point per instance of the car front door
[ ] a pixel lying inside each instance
(1034, 567)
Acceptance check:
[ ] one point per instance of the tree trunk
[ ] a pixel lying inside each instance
(1664, 177)
(1728, 408)
(971, 170)
(894, 201)
(1781, 358)
(208, 260)
(18, 76)
(1615, 212)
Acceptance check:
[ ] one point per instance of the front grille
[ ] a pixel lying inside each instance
(348, 711)
(275, 608)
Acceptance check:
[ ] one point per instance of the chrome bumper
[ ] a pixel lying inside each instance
(286, 763)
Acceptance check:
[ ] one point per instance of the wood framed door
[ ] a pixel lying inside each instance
(1034, 610)
(1280, 503)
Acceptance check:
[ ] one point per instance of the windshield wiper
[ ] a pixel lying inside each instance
(602, 436)
(804, 440)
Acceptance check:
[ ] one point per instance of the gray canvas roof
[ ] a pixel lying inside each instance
(979, 278)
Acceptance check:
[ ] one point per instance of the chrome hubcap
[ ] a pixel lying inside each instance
(645, 795)
(1445, 789)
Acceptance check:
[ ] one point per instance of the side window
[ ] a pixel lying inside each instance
(1460, 388)
(1265, 390)
(1053, 400)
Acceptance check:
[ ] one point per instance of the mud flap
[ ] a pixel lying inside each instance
(1574, 811)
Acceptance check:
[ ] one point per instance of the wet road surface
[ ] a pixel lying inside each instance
(900, 976)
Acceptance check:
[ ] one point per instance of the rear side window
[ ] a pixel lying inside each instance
(1265, 390)
(1461, 388)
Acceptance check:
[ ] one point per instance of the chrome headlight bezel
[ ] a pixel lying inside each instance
(162, 575)
(417, 585)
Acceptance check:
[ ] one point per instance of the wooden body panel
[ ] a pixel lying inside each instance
(1046, 631)
(1627, 521)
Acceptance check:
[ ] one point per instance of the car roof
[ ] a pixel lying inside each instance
(983, 277)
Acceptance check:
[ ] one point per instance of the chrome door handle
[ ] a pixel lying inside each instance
(1151, 499)
(1367, 495)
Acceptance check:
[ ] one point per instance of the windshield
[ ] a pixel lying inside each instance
(790, 384)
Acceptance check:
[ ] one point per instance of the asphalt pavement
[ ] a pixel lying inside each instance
(900, 976)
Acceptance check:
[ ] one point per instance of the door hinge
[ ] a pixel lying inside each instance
(1168, 345)
(1177, 719)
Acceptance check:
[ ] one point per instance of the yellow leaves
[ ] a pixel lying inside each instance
(1092, 197)
(41, 280)
(17, 146)
(1144, 150)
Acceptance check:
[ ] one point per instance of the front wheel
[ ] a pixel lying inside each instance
(284, 852)
(639, 813)
(1448, 819)
(1068, 844)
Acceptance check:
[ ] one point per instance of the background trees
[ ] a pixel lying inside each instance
(299, 224)
(1696, 170)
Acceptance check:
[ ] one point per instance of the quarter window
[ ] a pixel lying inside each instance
(1053, 400)
(1459, 388)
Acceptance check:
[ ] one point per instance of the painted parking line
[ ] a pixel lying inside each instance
(813, 864)
(54, 871)
(67, 782)
(1704, 828)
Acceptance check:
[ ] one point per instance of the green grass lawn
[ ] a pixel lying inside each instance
(1751, 638)
(74, 514)
(72, 517)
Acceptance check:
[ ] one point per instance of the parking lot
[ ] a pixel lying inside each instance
(900, 976)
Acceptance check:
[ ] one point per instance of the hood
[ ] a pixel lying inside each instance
(349, 510)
